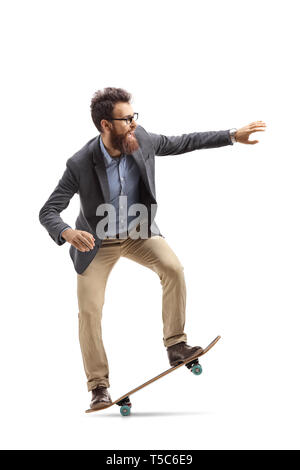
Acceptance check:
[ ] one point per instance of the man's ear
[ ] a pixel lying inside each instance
(106, 125)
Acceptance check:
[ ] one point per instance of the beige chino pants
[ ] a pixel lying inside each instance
(154, 253)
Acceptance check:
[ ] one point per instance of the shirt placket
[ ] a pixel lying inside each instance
(122, 208)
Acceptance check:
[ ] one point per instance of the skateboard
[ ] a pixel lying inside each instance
(191, 363)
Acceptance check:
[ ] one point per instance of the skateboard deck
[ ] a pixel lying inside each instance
(191, 363)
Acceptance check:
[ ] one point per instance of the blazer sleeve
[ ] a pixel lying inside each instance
(59, 200)
(176, 145)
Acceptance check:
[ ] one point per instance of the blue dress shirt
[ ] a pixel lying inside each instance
(123, 180)
(123, 177)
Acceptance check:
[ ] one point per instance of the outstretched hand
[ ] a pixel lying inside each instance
(242, 134)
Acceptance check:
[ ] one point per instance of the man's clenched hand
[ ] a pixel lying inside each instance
(83, 241)
(242, 134)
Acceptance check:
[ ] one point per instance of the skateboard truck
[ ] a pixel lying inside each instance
(125, 406)
(194, 367)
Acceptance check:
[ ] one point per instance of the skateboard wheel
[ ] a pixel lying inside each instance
(125, 410)
(197, 369)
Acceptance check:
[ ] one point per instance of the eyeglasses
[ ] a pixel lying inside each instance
(128, 119)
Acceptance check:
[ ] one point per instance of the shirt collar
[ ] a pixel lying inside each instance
(108, 159)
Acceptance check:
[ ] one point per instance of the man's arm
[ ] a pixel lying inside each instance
(176, 145)
(203, 140)
(58, 201)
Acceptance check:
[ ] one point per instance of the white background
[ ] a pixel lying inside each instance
(191, 66)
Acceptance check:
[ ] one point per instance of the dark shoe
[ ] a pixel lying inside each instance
(180, 352)
(100, 398)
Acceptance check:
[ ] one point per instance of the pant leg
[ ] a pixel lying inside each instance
(91, 293)
(155, 253)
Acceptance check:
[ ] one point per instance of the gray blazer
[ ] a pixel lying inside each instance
(85, 175)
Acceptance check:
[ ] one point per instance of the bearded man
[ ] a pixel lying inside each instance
(114, 176)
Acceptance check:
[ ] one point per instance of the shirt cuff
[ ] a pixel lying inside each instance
(60, 237)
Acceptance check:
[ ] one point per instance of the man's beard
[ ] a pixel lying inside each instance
(124, 143)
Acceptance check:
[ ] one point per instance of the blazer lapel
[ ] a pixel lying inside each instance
(138, 157)
(100, 168)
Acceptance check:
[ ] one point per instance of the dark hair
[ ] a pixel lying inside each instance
(103, 102)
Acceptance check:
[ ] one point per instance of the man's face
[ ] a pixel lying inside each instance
(122, 134)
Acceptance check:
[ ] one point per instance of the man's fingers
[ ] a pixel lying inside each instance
(258, 123)
(257, 130)
(82, 240)
(78, 246)
(253, 128)
(85, 241)
(81, 246)
(252, 142)
(87, 235)
(89, 239)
